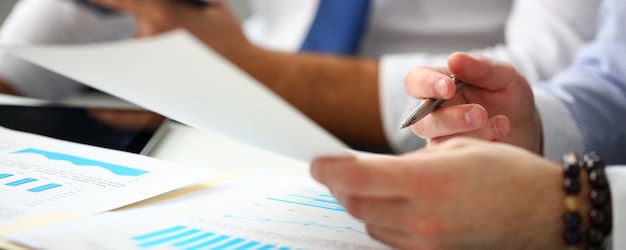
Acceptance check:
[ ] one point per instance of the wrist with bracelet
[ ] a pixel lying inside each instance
(600, 220)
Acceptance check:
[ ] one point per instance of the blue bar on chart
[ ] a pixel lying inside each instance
(266, 247)
(195, 239)
(20, 182)
(248, 245)
(44, 187)
(186, 238)
(229, 244)
(5, 175)
(208, 243)
(159, 233)
(169, 238)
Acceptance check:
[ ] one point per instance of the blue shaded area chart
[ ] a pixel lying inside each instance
(311, 198)
(78, 161)
(336, 229)
(186, 238)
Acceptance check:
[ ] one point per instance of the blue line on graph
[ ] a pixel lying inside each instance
(194, 239)
(79, 161)
(208, 243)
(20, 182)
(159, 233)
(338, 229)
(332, 201)
(44, 187)
(309, 204)
(5, 175)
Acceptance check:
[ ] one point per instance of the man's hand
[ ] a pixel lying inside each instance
(214, 25)
(496, 105)
(459, 194)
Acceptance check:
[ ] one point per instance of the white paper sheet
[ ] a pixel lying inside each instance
(177, 76)
(41, 175)
(252, 212)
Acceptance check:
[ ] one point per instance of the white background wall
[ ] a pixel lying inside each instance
(238, 6)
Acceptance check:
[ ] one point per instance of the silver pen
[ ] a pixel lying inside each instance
(428, 106)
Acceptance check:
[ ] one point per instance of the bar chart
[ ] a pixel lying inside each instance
(188, 238)
(20, 182)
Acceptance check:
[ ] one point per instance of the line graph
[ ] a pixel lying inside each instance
(336, 229)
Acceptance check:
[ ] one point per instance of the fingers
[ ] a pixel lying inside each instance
(382, 176)
(482, 72)
(451, 120)
(376, 210)
(422, 82)
(394, 238)
(496, 129)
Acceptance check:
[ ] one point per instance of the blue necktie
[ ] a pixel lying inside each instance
(337, 27)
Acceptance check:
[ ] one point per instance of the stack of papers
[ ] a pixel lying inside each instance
(178, 77)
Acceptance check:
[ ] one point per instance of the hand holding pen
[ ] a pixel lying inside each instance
(496, 103)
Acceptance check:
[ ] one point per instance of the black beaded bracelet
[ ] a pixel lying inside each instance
(600, 221)
(600, 216)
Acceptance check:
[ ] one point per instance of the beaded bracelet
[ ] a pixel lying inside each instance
(600, 214)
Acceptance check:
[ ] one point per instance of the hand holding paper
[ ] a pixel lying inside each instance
(177, 76)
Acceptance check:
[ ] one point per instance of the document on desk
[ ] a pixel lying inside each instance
(269, 212)
(41, 176)
(176, 75)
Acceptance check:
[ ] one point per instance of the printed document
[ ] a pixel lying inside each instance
(41, 176)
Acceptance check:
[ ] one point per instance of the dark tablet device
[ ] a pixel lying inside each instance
(133, 131)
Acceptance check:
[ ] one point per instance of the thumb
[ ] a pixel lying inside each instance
(482, 72)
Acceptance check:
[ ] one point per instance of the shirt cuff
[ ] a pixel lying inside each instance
(560, 132)
(616, 176)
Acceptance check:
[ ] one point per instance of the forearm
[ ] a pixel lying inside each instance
(339, 93)
(6, 89)
(320, 86)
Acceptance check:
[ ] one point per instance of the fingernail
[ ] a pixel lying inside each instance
(473, 117)
(441, 87)
(502, 127)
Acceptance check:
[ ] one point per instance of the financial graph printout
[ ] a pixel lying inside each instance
(43, 175)
(278, 212)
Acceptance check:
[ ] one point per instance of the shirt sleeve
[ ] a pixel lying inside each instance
(541, 38)
(560, 131)
(56, 22)
(594, 86)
